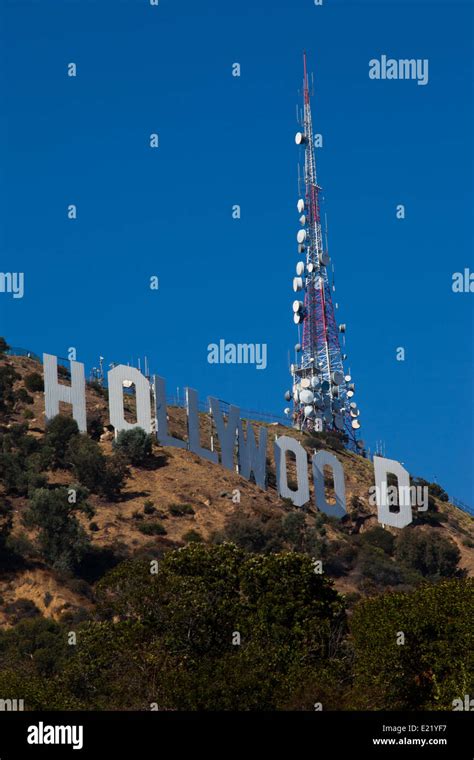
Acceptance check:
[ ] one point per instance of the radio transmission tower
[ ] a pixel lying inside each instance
(322, 393)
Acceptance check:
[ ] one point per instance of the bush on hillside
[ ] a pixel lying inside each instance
(88, 462)
(135, 445)
(427, 552)
(34, 382)
(60, 431)
(433, 666)
(8, 376)
(378, 537)
(62, 540)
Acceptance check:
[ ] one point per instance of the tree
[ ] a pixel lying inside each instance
(431, 665)
(429, 553)
(98, 473)
(378, 537)
(88, 462)
(20, 461)
(7, 379)
(135, 444)
(61, 538)
(221, 629)
(116, 471)
(60, 431)
(4, 347)
(34, 382)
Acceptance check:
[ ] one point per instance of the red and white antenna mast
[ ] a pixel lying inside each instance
(322, 391)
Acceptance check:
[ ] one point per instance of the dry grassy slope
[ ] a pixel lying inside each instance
(186, 478)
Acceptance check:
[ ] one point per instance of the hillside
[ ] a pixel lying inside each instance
(154, 493)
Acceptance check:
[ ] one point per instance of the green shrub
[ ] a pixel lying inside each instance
(380, 538)
(23, 396)
(293, 527)
(192, 536)
(34, 382)
(60, 431)
(374, 564)
(135, 444)
(88, 462)
(288, 617)
(148, 507)
(116, 471)
(21, 461)
(252, 534)
(152, 529)
(7, 395)
(61, 538)
(429, 553)
(433, 666)
(180, 510)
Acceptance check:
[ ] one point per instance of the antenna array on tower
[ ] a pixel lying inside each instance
(322, 391)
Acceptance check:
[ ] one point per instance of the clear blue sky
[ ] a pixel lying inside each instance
(225, 141)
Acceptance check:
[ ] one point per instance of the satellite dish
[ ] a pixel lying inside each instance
(360, 444)
(297, 347)
(350, 394)
(297, 318)
(353, 405)
(287, 395)
(297, 284)
(300, 206)
(301, 236)
(339, 421)
(342, 328)
(298, 306)
(306, 397)
(300, 268)
(337, 377)
(127, 383)
(301, 249)
(314, 382)
(305, 383)
(347, 378)
(355, 424)
(324, 258)
(308, 411)
(325, 386)
(287, 411)
(310, 267)
(302, 220)
(300, 138)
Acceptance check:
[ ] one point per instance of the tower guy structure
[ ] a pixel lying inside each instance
(322, 392)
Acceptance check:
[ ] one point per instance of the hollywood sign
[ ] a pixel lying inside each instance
(251, 454)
